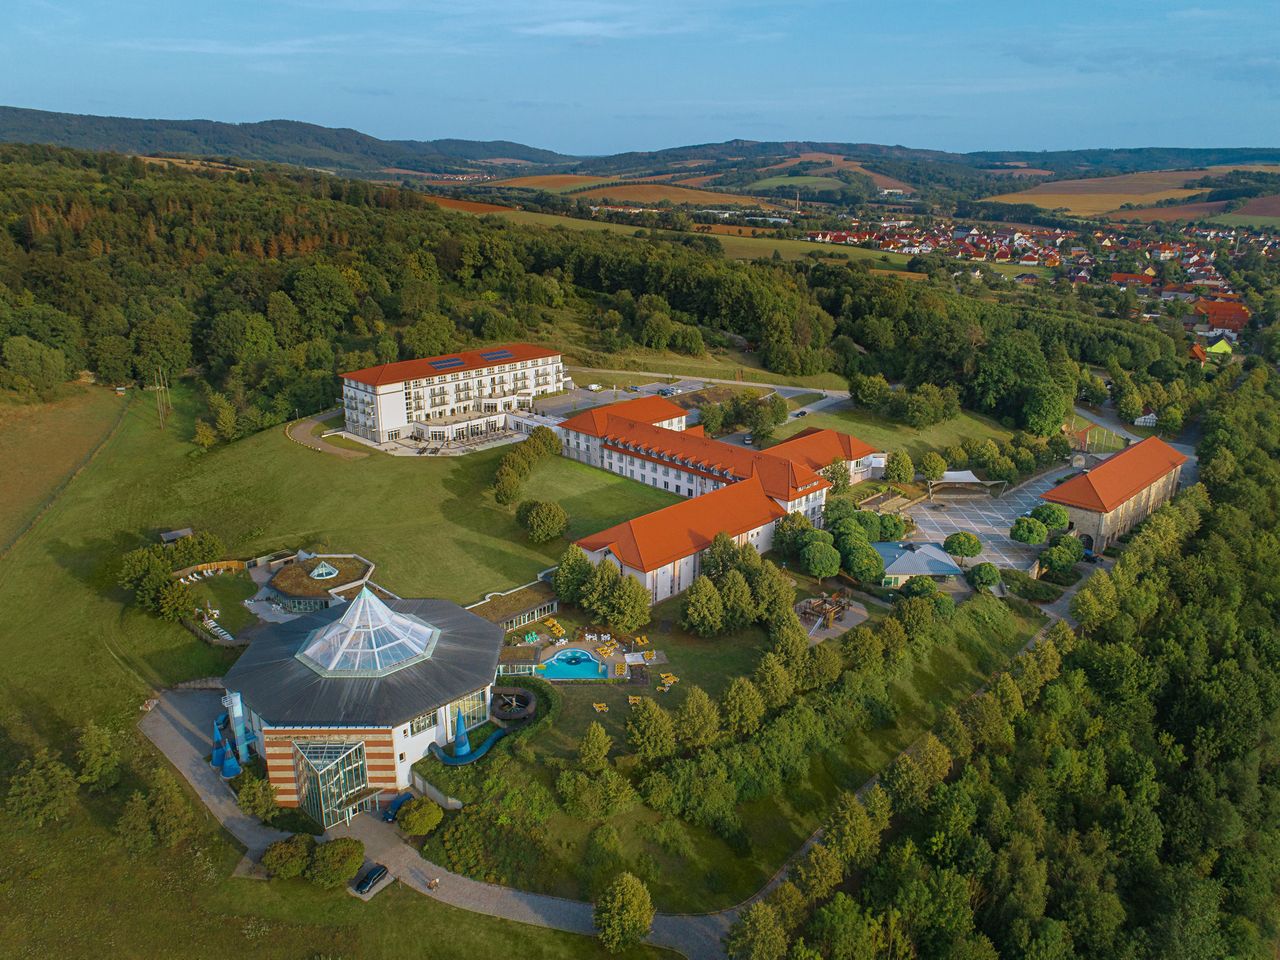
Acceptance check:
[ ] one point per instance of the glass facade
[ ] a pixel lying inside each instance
(333, 780)
(529, 616)
(425, 722)
(474, 708)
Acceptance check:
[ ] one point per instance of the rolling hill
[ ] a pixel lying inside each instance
(279, 141)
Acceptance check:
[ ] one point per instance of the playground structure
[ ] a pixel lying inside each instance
(826, 610)
(230, 742)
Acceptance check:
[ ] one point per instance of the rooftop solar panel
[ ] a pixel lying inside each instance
(448, 364)
(496, 355)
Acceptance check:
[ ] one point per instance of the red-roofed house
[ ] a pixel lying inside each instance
(449, 397)
(1226, 315)
(817, 449)
(1111, 499)
(663, 549)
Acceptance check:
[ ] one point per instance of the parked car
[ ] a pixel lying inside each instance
(371, 879)
(394, 806)
(594, 387)
(633, 389)
(802, 413)
(665, 392)
(748, 440)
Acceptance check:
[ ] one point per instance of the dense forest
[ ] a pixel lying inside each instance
(273, 280)
(1122, 798)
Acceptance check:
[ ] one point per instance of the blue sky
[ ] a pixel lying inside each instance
(599, 76)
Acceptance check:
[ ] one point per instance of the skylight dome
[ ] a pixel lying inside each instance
(368, 640)
(324, 570)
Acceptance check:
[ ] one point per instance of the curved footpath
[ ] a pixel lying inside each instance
(299, 431)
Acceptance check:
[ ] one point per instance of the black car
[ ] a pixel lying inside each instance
(802, 413)
(371, 879)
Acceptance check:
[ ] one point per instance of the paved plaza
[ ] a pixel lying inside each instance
(988, 517)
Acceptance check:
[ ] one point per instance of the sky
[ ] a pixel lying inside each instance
(604, 76)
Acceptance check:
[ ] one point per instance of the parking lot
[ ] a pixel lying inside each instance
(988, 517)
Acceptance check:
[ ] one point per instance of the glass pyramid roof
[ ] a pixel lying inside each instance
(368, 640)
(324, 570)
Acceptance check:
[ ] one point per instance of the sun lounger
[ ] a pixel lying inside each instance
(601, 707)
(619, 669)
(632, 700)
(649, 654)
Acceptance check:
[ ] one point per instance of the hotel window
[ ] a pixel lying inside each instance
(425, 722)
(474, 708)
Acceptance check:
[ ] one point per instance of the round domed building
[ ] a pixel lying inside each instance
(341, 703)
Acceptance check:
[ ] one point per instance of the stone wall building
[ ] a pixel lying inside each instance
(1108, 501)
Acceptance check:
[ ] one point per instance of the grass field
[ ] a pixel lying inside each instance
(888, 435)
(41, 444)
(467, 206)
(1245, 220)
(75, 650)
(812, 181)
(1100, 195)
(803, 400)
(1181, 211)
(722, 365)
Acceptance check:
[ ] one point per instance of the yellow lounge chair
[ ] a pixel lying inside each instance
(601, 707)
(648, 654)
(619, 669)
(632, 701)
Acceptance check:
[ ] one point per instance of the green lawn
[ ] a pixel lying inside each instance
(803, 400)
(803, 180)
(74, 650)
(888, 435)
(41, 444)
(226, 594)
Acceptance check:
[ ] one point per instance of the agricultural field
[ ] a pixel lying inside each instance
(1260, 211)
(42, 444)
(1181, 211)
(701, 181)
(837, 162)
(468, 206)
(671, 193)
(888, 435)
(1102, 195)
(551, 182)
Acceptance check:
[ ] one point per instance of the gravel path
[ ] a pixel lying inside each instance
(300, 432)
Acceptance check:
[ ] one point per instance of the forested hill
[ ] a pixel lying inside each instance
(280, 141)
(354, 153)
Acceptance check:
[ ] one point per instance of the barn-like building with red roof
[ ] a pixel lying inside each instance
(1108, 501)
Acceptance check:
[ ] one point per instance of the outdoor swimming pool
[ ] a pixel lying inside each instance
(572, 665)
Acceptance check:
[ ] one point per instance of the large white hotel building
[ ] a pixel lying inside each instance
(450, 397)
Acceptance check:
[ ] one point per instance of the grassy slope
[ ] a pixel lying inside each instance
(41, 444)
(888, 435)
(71, 892)
(715, 875)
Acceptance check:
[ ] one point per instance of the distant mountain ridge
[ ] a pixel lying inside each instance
(351, 152)
(279, 141)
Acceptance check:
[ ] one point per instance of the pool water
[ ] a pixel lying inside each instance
(572, 665)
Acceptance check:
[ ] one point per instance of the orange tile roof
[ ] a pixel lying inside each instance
(816, 447)
(469, 360)
(1198, 353)
(783, 478)
(1119, 478)
(642, 410)
(656, 539)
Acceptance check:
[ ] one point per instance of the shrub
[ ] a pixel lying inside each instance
(1021, 585)
(898, 467)
(99, 758)
(335, 863)
(289, 858)
(256, 797)
(134, 825)
(1028, 530)
(919, 587)
(983, 576)
(1052, 515)
(419, 816)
